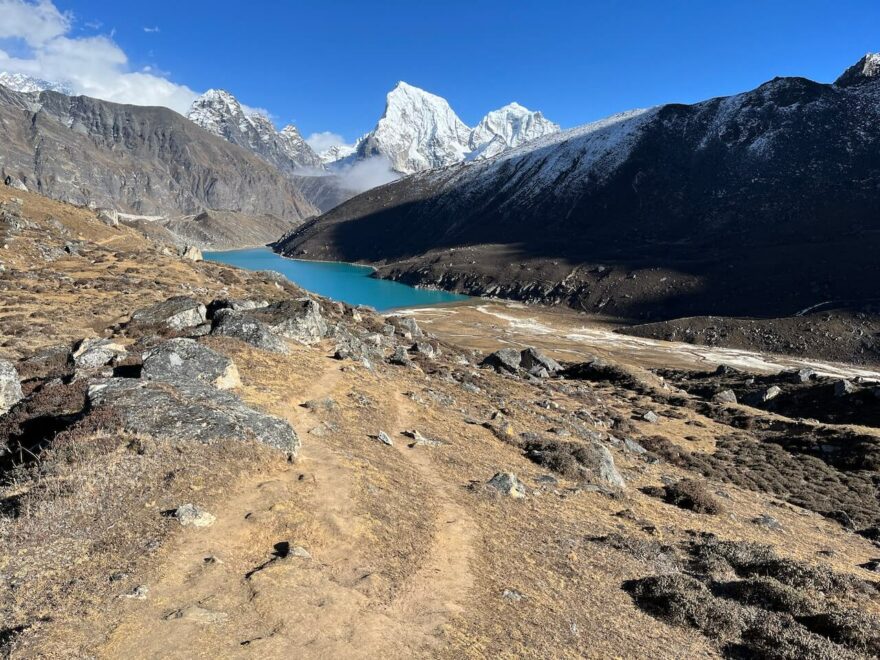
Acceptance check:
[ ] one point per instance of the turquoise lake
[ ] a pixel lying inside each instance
(346, 282)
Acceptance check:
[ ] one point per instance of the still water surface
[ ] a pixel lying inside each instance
(346, 282)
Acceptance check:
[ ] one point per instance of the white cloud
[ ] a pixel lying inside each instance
(365, 174)
(93, 66)
(150, 30)
(35, 23)
(324, 140)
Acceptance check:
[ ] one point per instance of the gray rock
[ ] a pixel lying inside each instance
(507, 483)
(108, 216)
(771, 393)
(384, 438)
(229, 323)
(407, 325)
(512, 595)
(300, 320)
(801, 375)
(532, 358)
(189, 515)
(192, 253)
(725, 396)
(420, 440)
(176, 313)
(651, 417)
(506, 359)
(234, 304)
(300, 552)
(767, 521)
(400, 357)
(178, 359)
(425, 348)
(15, 183)
(93, 353)
(138, 593)
(188, 410)
(843, 387)
(598, 463)
(10, 386)
(633, 446)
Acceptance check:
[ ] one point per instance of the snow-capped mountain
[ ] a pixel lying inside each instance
(337, 153)
(507, 128)
(220, 113)
(760, 203)
(19, 82)
(420, 131)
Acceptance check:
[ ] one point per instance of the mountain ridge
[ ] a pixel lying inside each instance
(644, 213)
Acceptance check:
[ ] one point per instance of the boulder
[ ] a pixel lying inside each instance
(188, 410)
(771, 393)
(843, 387)
(15, 183)
(300, 319)
(725, 396)
(598, 463)
(507, 483)
(228, 323)
(237, 305)
(178, 359)
(10, 386)
(506, 359)
(192, 253)
(406, 326)
(384, 438)
(176, 313)
(93, 353)
(651, 417)
(108, 217)
(425, 348)
(533, 359)
(400, 357)
(800, 375)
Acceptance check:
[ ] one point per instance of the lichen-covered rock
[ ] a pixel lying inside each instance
(507, 483)
(229, 323)
(192, 253)
(506, 359)
(10, 386)
(190, 515)
(300, 320)
(93, 353)
(188, 410)
(176, 313)
(533, 359)
(178, 359)
(407, 326)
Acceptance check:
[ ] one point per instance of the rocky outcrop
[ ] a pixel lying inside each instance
(527, 361)
(94, 353)
(10, 386)
(176, 313)
(185, 408)
(178, 359)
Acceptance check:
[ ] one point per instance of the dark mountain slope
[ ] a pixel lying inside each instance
(765, 202)
(136, 159)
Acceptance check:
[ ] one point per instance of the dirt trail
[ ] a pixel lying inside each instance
(247, 602)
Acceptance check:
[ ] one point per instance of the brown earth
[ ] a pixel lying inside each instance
(409, 554)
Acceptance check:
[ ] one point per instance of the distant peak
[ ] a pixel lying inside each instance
(865, 70)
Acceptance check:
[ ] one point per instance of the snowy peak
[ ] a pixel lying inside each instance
(420, 131)
(508, 128)
(219, 112)
(865, 70)
(337, 152)
(19, 82)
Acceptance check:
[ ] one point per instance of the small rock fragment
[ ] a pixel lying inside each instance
(507, 483)
(189, 515)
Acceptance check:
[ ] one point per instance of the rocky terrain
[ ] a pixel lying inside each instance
(137, 160)
(760, 204)
(198, 460)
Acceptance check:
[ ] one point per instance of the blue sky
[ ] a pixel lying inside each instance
(326, 66)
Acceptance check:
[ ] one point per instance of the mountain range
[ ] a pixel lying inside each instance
(759, 203)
